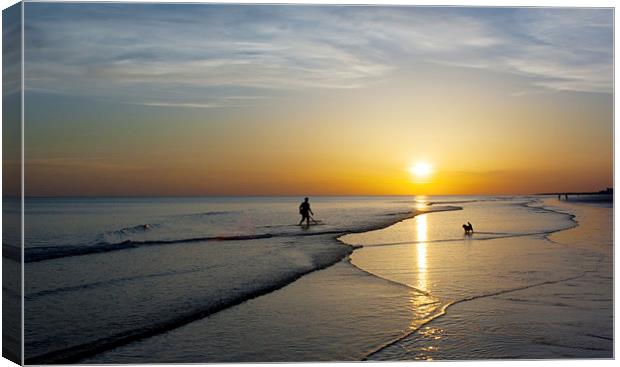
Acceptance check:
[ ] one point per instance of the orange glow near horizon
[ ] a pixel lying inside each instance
(349, 144)
(116, 179)
(333, 157)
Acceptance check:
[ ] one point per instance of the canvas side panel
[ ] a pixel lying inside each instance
(12, 183)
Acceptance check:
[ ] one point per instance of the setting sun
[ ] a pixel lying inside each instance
(421, 170)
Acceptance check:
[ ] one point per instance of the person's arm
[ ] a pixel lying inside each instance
(310, 210)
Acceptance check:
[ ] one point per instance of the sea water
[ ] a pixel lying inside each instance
(114, 277)
(533, 281)
(106, 271)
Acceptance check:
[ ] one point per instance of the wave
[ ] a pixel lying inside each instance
(139, 228)
(208, 214)
(43, 253)
(36, 254)
(569, 216)
(455, 202)
(74, 354)
(136, 229)
(106, 282)
(120, 236)
(469, 237)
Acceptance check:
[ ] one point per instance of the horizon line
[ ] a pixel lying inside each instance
(283, 196)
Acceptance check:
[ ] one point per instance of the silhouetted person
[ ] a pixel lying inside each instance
(566, 196)
(469, 228)
(559, 197)
(305, 211)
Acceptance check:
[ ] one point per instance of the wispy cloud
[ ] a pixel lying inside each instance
(188, 105)
(183, 55)
(221, 102)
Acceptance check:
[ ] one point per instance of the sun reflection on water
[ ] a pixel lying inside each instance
(421, 247)
(424, 306)
(420, 202)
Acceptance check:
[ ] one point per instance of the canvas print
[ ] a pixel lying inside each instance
(296, 183)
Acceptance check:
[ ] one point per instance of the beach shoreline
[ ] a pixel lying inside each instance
(324, 259)
(406, 341)
(334, 274)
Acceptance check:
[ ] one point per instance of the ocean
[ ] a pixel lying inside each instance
(220, 279)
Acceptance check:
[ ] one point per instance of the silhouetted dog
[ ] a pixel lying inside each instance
(468, 228)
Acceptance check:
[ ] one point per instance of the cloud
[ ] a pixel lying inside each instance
(221, 102)
(188, 105)
(184, 55)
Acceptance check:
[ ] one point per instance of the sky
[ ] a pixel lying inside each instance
(144, 99)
